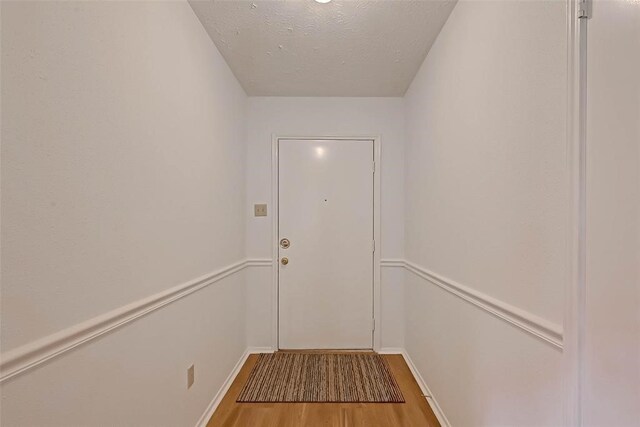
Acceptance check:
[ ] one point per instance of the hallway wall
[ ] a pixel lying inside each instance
(612, 329)
(122, 181)
(315, 117)
(486, 205)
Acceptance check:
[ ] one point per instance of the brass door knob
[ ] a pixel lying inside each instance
(285, 243)
(284, 261)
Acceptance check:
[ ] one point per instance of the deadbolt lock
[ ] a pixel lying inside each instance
(285, 243)
(284, 261)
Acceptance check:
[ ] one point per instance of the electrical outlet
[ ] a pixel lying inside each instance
(191, 376)
(260, 209)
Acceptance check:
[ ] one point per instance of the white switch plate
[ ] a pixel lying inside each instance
(260, 209)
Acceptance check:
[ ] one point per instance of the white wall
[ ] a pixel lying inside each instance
(316, 117)
(122, 176)
(612, 356)
(486, 205)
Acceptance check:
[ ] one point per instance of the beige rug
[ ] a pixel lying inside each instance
(321, 377)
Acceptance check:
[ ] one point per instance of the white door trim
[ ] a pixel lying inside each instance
(574, 312)
(274, 229)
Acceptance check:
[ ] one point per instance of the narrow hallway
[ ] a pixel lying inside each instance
(399, 212)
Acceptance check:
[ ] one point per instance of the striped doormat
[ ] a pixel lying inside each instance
(321, 377)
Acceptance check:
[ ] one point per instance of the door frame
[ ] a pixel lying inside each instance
(573, 335)
(275, 164)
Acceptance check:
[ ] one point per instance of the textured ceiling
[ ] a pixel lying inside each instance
(304, 48)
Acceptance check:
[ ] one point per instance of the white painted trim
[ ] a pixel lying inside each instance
(275, 271)
(377, 306)
(258, 350)
(30, 355)
(377, 237)
(259, 262)
(392, 263)
(528, 322)
(215, 402)
(433, 403)
(574, 313)
(267, 262)
(391, 350)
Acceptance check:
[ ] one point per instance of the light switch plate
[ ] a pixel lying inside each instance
(260, 209)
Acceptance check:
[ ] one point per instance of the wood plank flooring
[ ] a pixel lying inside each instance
(414, 412)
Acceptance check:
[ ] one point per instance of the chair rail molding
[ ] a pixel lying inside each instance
(30, 355)
(392, 262)
(528, 322)
(259, 262)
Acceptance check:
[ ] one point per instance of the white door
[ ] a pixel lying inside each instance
(326, 214)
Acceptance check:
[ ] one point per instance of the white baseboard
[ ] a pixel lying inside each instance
(256, 350)
(211, 408)
(213, 405)
(391, 350)
(437, 410)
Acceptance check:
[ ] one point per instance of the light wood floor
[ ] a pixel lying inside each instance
(414, 412)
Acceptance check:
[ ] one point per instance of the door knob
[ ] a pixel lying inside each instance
(284, 261)
(285, 243)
